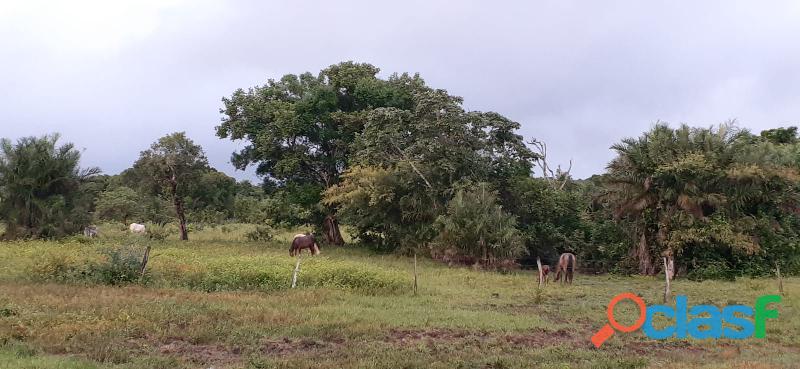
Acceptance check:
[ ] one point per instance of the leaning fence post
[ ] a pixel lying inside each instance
(145, 258)
(780, 279)
(296, 270)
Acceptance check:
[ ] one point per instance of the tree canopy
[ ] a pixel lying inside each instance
(170, 168)
(43, 190)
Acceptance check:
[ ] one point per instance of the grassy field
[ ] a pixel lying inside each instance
(223, 302)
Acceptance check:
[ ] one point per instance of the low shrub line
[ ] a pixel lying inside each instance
(122, 265)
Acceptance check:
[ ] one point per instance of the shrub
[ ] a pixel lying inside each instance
(115, 266)
(122, 265)
(158, 232)
(476, 226)
(712, 269)
(61, 267)
(268, 274)
(261, 234)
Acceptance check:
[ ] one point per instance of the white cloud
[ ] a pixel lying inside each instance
(78, 26)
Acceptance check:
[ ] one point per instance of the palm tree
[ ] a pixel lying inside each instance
(669, 179)
(40, 188)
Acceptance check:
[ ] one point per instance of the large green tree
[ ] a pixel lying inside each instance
(408, 164)
(119, 204)
(170, 168)
(211, 197)
(43, 190)
(300, 129)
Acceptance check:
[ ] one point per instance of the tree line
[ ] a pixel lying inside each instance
(409, 170)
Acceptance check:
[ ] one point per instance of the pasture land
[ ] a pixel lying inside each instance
(223, 302)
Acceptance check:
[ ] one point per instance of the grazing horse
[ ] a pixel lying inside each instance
(545, 273)
(303, 241)
(90, 231)
(137, 228)
(566, 265)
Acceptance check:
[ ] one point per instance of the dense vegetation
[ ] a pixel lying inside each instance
(409, 170)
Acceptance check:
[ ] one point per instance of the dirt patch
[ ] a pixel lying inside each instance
(545, 338)
(201, 354)
(576, 338)
(402, 336)
(288, 346)
(663, 349)
(536, 338)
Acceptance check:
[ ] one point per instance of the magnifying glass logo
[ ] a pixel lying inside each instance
(608, 330)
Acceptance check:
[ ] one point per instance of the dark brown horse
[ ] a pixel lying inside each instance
(303, 241)
(566, 265)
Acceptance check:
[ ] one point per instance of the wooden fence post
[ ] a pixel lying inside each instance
(667, 272)
(780, 279)
(415, 273)
(145, 258)
(296, 270)
(539, 269)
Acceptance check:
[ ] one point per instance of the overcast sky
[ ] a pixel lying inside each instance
(113, 76)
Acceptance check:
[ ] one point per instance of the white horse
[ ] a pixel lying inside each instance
(137, 228)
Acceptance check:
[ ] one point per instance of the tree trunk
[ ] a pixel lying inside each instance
(642, 254)
(331, 228)
(485, 252)
(181, 220)
(179, 211)
(670, 266)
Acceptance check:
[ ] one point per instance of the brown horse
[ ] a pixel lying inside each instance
(303, 241)
(566, 265)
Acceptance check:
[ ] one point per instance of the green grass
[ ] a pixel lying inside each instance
(223, 302)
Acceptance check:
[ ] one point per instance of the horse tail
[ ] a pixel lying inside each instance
(571, 261)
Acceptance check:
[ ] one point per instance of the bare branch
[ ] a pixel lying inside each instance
(553, 178)
(565, 175)
(412, 164)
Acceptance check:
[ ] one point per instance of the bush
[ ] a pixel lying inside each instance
(269, 274)
(61, 267)
(157, 232)
(122, 265)
(178, 267)
(712, 269)
(261, 234)
(476, 227)
(115, 266)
